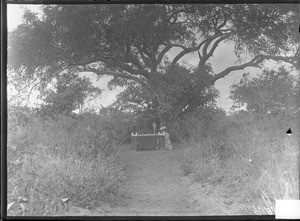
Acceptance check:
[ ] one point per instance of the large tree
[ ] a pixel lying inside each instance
(137, 99)
(143, 44)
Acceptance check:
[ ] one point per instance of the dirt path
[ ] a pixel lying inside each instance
(156, 187)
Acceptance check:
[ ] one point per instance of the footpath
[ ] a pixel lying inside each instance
(155, 186)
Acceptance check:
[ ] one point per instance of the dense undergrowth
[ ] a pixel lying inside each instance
(53, 164)
(244, 160)
(248, 162)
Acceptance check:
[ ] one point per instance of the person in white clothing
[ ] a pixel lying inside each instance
(168, 144)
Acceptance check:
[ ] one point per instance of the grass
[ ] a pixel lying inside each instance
(250, 170)
(55, 164)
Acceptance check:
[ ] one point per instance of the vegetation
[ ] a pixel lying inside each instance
(133, 43)
(74, 161)
(243, 157)
(57, 157)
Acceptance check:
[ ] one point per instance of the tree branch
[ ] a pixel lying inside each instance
(176, 45)
(216, 43)
(253, 63)
(206, 55)
(218, 28)
(162, 53)
(114, 73)
(146, 60)
(189, 50)
(132, 71)
(184, 52)
(135, 60)
(291, 59)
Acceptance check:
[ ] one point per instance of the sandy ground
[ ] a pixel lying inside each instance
(156, 187)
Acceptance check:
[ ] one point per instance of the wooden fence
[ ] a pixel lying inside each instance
(148, 141)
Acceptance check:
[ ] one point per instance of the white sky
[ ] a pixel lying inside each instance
(223, 58)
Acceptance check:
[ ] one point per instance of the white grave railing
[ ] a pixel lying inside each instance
(148, 141)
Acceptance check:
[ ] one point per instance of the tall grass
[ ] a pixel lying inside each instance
(54, 164)
(247, 163)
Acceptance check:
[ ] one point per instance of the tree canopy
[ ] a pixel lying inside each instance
(272, 92)
(133, 43)
(69, 93)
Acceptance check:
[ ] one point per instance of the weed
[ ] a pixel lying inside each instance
(54, 164)
(251, 169)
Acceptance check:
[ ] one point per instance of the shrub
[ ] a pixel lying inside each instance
(250, 169)
(188, 156)
(53, 164)
(45, 181)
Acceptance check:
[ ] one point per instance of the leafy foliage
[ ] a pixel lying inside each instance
(70, 93)
(18, 116)
(257, 27)
(166, 100)
(272, 92)
(133, 42)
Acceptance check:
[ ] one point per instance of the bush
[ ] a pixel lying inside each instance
(54, 164)
(46, 180)
(189, 155)
(243, 159)
(83, 137)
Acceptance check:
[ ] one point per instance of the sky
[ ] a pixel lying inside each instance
(223, 57)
